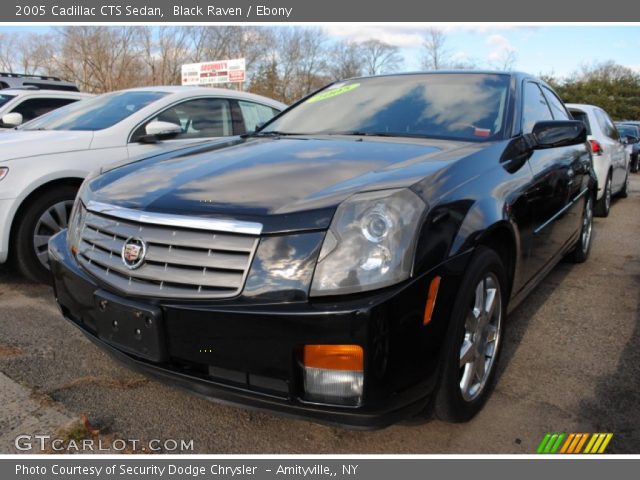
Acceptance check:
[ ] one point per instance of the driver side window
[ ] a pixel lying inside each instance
(535, 108)
(198, 118)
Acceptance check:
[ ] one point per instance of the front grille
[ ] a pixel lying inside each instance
(179, 262)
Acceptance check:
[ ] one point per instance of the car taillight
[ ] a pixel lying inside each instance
(596, 148)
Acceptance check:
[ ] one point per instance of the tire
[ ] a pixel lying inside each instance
(634, 163)
(42, 218)
(603, 206)
(583, 246)
(461, 393)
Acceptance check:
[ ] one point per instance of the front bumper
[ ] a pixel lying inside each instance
(7, 211)
(249, 354)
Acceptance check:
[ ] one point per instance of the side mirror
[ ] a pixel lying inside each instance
(630, 139)
(558, 133)
(156, 131)
(11, 120)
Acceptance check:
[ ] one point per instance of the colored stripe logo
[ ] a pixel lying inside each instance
(574, 443)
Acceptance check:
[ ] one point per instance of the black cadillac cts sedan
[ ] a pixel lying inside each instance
(351, 262)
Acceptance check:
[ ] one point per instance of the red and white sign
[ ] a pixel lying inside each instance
(214, 73)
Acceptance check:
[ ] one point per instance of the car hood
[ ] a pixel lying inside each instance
(287, 183)
(17, 144)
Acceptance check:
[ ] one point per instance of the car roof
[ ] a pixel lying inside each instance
(187, 91)
(452, 72)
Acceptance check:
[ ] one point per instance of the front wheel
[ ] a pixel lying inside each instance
(603, 206)
(40, 220)
(474, 339)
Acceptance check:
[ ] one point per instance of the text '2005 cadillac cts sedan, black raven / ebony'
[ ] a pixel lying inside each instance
(351, 262)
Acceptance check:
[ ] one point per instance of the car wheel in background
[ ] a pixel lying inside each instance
(45, 216)
(604, 204)
(583, 246)
(474, 340)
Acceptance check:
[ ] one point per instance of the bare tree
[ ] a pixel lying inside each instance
(346, 60)
(165, 50)
(436, 54)
(7, 52)
(100, 59)
(297, 57)
(380, 57)
(506, 60)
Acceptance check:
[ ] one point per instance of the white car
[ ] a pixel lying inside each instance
(19, 105)
(43, 162)
(610, 159)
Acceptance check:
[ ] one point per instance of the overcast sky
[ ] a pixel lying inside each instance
(538, 49)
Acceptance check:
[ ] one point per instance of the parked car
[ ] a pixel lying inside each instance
(610, 160)
(45, 82)
(43, 162)
(631, 138)
(352, 258)
(19, 105)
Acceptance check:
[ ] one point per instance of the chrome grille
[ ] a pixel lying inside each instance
(179, 262)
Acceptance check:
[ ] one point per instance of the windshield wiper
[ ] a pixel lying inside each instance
(271, 133)
(358, 133)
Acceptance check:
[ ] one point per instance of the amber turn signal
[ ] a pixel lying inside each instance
(334, 357)
(431, 299)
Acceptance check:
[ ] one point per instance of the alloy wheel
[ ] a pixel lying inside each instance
(53, 220)
(483, 327)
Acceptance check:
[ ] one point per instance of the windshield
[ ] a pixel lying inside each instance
(628, 130)
(5, 98)
(96, 113)
(467, 106)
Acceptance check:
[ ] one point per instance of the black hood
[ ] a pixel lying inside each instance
(287, 183)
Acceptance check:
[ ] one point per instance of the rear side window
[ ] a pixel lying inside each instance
(606, 125)
(535, 107)
(34, 107)
(582, 117)
(557, 107)
(255, 114)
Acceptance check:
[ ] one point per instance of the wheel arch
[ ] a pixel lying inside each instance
(501, 238)
(28, 200)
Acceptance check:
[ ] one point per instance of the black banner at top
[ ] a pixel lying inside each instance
(240, 11)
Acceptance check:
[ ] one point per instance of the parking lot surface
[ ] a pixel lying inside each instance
(571, 363)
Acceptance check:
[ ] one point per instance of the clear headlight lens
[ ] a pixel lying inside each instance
(370, 243)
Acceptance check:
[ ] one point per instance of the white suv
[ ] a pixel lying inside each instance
(19, 105)
(43, 162)
(610, 159)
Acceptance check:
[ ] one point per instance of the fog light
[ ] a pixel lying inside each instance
(333, 374)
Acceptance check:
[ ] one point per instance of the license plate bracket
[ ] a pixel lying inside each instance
(133, 327)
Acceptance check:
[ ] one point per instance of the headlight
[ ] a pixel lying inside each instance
(76, 223)
(370, 243)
